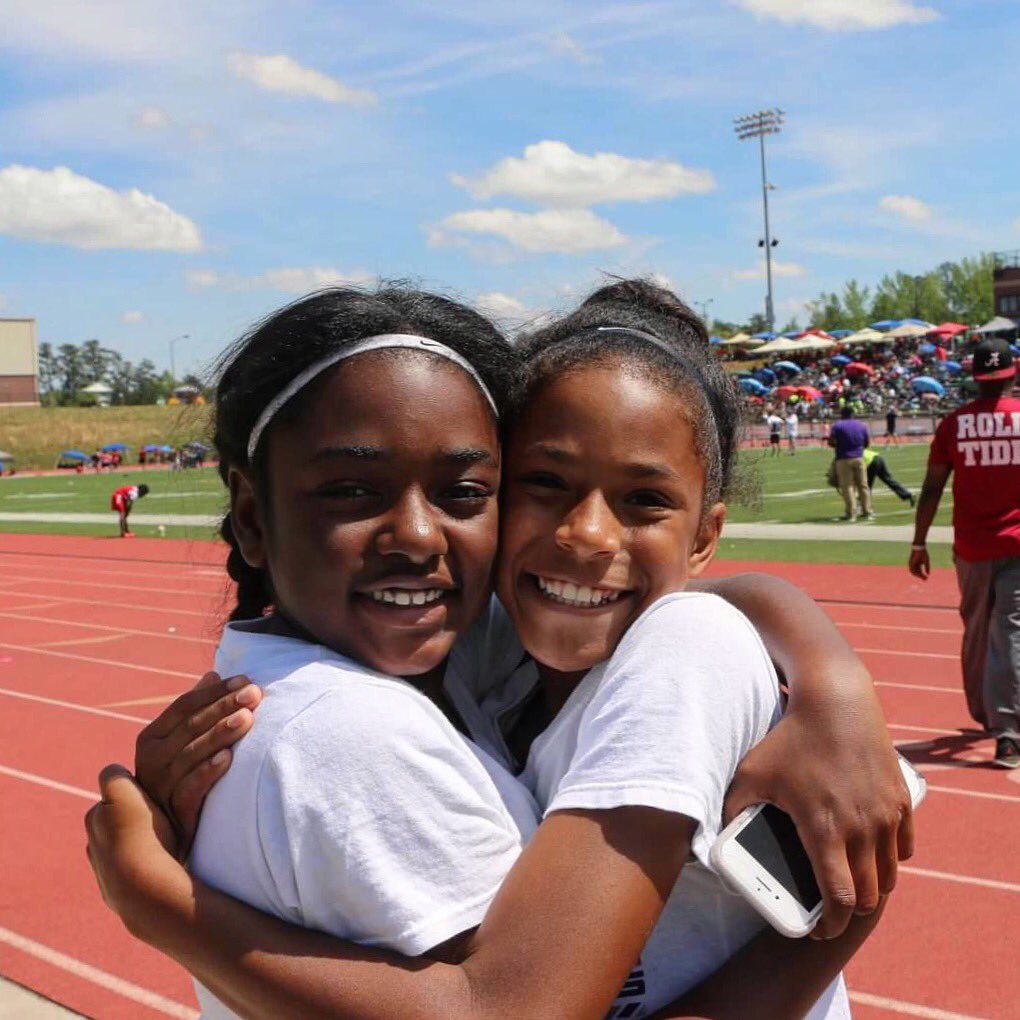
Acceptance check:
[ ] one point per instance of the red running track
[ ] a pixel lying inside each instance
(96, 635)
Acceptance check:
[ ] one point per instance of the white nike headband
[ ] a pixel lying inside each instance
(384, 341)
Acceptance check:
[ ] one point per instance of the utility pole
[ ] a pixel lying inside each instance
(173, 368)
(758, 125)
(703, 305)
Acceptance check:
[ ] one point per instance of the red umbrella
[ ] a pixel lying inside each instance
(809, 393)
(858, 368)
(785, 392)
(949, 329)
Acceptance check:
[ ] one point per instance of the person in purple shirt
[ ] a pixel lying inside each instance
(849, 437)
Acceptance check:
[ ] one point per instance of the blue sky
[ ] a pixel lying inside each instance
(184, 168)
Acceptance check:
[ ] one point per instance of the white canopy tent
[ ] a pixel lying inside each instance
(1000, 324)
(865, 337)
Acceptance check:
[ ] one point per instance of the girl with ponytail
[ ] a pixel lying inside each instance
(353, 806)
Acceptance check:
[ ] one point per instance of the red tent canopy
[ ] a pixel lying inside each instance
(949, 329)
(858, 368)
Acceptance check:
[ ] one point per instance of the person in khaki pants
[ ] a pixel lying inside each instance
(849, 437)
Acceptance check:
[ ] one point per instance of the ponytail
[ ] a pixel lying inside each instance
(252, 583)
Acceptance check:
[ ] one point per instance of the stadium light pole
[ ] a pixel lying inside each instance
(173, 368)
(758, 125)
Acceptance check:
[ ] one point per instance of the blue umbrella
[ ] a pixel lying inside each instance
(925, 384)
(74, 455)
(1014, 348)
(926, 349)
(150, 448)
(840, 333)
(952, 367)
(887, 324)
(752, 386)
(793, 334)
(787, 366)
(110, 447)
(765, 375)
(763, 336)
(840, 359)
(715, 339)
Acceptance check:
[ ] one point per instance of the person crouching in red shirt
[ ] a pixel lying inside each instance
(122, 500)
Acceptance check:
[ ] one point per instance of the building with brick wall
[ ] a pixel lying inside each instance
(1006, 281)
(19, 362)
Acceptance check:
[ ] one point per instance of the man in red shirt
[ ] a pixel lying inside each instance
(979, 444)
(122, 500)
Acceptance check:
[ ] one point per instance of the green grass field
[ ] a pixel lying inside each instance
(785, 490)
(35, 435)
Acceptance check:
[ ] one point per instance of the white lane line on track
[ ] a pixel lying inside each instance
(51, 784)
(908, 1008)
(853, 604)
(85, 971)
(66, 569)
(74, 706)
(919, 687)
(106, 605)
(159, 699)
(117, 631)
(980, 794)
(956, 631)
(104, 586)
(100, 639)
(909, 655)
(948, 876)
(928, 729)
(100, 662)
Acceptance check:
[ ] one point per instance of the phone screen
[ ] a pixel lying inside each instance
(771, 838)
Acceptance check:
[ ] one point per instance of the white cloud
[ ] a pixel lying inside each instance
(567, 46)
(778, 269)
(132, 318)
(280, 73)
(65, 208)
(153, 117)
(201, 279)
(551, 230)
(288, 279)
(553, 174)
(842, 15)
(497, 305)
(300, 280)
(907, 206)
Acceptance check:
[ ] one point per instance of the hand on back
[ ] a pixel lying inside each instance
(182, 753)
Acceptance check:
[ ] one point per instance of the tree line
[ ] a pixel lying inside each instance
(951, 292)
(65, 371)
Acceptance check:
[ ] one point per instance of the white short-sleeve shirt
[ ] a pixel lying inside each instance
(354, 806)
(664, 723)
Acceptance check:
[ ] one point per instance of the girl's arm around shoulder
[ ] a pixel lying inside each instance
(846, 793)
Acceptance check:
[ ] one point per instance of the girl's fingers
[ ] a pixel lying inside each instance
(224, 733)
(905, 833)
(827, 852)
(886, 860)
(208, 689)
(864, 867)
(189, 795)
(156, 758)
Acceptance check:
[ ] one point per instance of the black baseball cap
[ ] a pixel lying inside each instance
(993, 360)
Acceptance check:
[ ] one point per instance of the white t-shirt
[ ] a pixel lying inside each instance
(664, 723)
(354, 806)
(792, 422)
(775, 424)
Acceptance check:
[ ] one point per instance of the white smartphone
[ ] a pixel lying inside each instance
(760, 856)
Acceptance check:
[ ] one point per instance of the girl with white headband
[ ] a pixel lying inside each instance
(354, 806)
